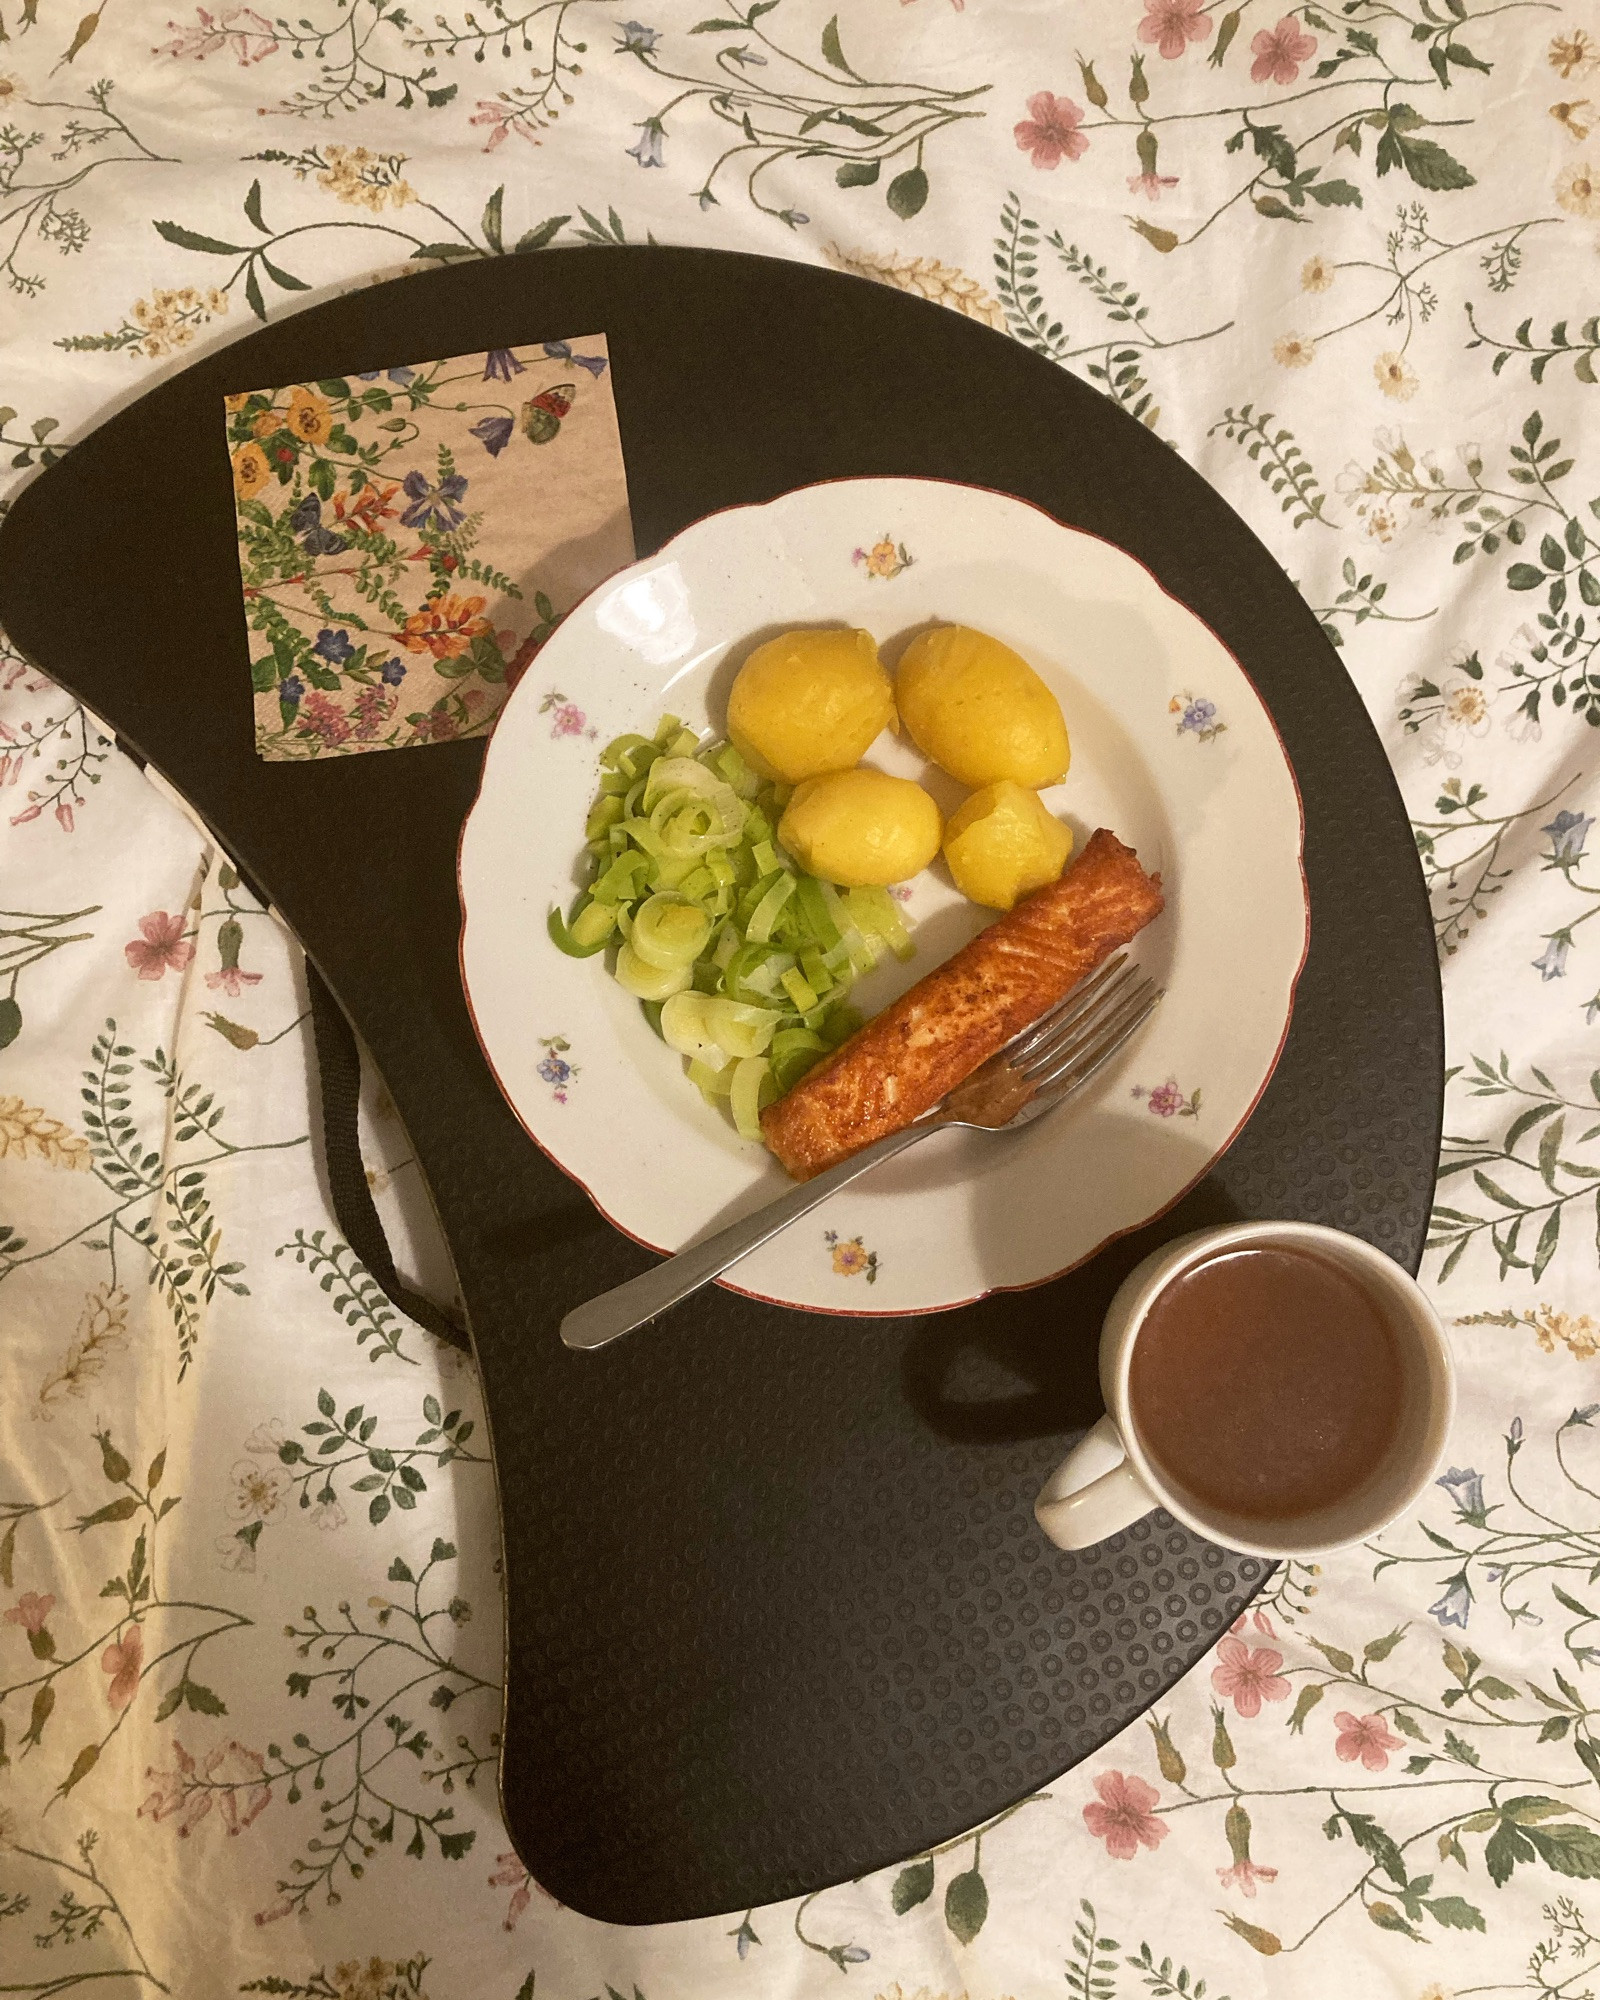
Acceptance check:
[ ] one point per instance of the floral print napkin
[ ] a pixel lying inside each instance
(409, 538)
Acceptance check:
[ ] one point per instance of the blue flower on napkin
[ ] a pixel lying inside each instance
(648, 152)
(333, 646)
(434, 505)
(400, 375)
(394, 671)
(500, 364)
(493, 433)
(558, 350)
(291, 690)
(637, 39)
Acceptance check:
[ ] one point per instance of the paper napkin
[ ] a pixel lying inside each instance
(409, 538)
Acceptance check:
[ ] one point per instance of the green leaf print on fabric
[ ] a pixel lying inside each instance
(27, 938)
(1114, 363)
(778, 107)
(394, 1478)
(1523, 1184)
(1579, 348)
(1282, 464)
(161, 1191)
(1460, 850)
(154, 1624)
(352, 1292)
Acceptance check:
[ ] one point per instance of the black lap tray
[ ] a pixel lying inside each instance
(777, 1608)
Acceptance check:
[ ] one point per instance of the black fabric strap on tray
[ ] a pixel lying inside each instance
(339, 1082)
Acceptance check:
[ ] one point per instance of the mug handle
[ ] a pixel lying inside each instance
(1093, 1492)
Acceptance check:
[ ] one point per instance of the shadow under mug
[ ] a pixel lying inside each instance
(1108, 1480)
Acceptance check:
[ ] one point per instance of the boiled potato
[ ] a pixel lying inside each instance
(979, 710)
(1002, 844)
(809, 703)
(857, 828)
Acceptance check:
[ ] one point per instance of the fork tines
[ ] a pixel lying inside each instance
(1070, 1008)
(1075, 1049)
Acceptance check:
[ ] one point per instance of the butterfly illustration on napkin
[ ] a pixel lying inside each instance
(542, 414)
(315, 539)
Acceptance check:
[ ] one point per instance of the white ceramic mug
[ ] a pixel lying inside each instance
(1107, 1480)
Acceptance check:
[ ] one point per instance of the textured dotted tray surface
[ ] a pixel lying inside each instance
(777, 1608)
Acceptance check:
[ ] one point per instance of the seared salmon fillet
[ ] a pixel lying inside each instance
(904, 1060)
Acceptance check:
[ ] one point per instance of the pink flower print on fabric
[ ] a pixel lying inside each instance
(228, 978)
(510, 1874)
(160, 944)
(1245, 1874)
(1123, 1816)
(31, 1611)
(232, 1777)
(1280, 51)
(1365, 1737)
(1049, 134)
(1173, 24)
(1247, 1676)
(122, 1660)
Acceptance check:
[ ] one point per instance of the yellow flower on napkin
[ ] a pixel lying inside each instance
(309, 417)
(250, 471)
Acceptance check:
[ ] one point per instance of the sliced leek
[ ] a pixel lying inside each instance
(742, 963)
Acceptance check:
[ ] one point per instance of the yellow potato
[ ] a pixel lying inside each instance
(809, 703)
(1002, 844)
(857, 828)
(979, 710)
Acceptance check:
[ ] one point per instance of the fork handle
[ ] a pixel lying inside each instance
(632, 1304)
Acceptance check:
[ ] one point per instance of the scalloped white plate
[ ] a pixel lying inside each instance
(1172, 749)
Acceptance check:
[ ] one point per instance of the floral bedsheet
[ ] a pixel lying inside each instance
(249, 1654)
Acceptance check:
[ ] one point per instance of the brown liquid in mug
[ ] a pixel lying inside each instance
(1267, 1382)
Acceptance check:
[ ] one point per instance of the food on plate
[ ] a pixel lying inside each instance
(743, 961)
(1003, 844)
(808, 703)
(921, 1046)
(979, 710)
(857, 828)
(741, 887)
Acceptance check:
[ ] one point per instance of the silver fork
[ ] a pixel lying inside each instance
(1037, 1070)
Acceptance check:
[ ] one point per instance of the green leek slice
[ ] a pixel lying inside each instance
(752, 1088)
(741, 962)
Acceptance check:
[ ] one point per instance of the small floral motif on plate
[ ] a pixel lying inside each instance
(851, 1257)
(886, 558)
(554, 1067)
(1167, 1100)
(1197, 716)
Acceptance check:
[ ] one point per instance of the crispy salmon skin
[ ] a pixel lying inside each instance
(904, 1060)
